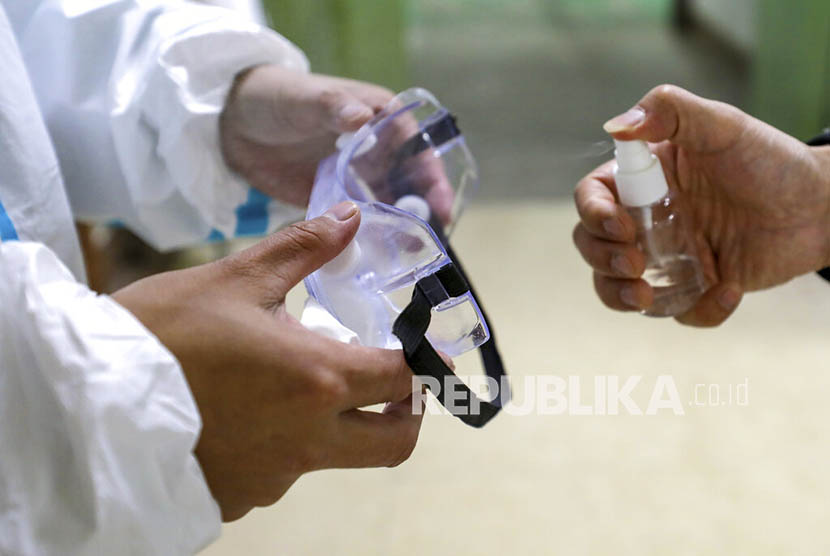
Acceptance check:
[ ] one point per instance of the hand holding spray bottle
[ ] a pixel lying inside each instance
(673, 269)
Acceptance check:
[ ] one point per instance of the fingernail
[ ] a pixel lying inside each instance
(353, 111)
(625, 122)
(629, 297)
(342, 211)
(729, 298)
(621, 265)
(614, 228)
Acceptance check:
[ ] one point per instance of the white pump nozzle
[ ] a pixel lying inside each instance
(632, 156)
(639, 175)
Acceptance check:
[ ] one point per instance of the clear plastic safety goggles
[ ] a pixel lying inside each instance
(398, 283)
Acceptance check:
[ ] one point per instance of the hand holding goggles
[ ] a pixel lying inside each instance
(398, 283)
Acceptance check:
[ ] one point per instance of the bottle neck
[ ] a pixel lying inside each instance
(644, 187)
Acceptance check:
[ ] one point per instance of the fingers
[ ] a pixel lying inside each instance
(346, 104)
(369, 439)
(375, 96)
(274, 105)
(374, 376)
(605, 239)
(716, 305)
(623, 295)
(314, 103)
(713, 308)
(341, 111)
(670, 113)
(441, 198)
(614, 259)
(283, 259)
(361, 377)
(304, 104)
(598, 209)
(426, 175)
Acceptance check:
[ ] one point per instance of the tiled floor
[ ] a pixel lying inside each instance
(721, 479)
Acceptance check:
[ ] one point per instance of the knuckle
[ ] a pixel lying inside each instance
(586, 252)
(604, 290)
(578, 235)
(578, 191)
(326, 389)
(584, 182)
(330, 98)
(301, 238)
(384, 93)
(402, 376)
(595, 207)
(228, 266)
(665, 92)
(264, 499)
(384, 97)
(405, 447)
(242, 265)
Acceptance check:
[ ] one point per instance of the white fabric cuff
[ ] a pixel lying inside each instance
(178, 103)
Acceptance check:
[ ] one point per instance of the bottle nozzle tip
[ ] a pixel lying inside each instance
(632, 156)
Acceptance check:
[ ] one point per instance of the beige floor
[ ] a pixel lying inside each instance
(718, 480)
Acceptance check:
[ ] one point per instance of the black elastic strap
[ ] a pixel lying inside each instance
(488, 351)
(437, 133)
(433, 135)
(411, 327)
(450, 281)
(823, 139)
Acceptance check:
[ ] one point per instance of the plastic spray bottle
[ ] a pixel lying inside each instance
(672, 266)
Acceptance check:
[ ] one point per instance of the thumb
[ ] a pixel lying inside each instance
(291, 254)
(716, 305)
(670, 113)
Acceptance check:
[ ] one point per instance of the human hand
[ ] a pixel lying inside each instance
(759, 201)
(278, 124)
(276, 400)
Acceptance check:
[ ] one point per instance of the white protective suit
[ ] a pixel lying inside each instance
(97, 424)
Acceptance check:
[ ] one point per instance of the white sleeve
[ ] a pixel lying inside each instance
(131, 91)
(97, 424)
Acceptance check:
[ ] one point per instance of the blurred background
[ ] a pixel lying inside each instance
(532, 81)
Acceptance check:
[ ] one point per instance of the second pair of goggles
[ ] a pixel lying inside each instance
(398, 283)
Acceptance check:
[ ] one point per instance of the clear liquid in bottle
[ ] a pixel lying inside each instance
(672, 267)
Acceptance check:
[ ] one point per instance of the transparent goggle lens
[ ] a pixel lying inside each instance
(413, 156)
